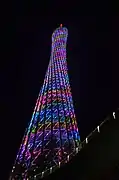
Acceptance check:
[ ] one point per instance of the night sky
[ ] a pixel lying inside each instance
(92, 56)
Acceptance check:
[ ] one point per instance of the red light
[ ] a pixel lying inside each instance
(60, 25)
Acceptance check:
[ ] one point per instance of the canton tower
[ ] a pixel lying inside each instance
(52, 134)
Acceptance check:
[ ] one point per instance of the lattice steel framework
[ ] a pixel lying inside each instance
(52, 133)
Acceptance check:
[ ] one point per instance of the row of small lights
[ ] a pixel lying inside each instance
(77, 150)
(98, 128)
(53, 167)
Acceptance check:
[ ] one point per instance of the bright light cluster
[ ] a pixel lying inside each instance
(52, 133)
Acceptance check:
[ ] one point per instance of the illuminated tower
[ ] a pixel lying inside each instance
(52, 134)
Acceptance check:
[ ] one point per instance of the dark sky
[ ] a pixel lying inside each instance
(92, 56)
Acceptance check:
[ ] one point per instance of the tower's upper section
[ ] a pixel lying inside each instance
(59, 37)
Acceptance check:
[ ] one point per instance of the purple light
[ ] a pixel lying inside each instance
(52, 133)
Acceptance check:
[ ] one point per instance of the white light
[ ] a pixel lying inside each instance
(59, 164)
(77, 150)
(51, 170)
(114, 115)
(42, 173)
(68, 157)
(86, 140)
(35, 176)
(98, 128)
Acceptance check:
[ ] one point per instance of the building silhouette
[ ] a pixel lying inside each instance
(52, 135)
(98, 157)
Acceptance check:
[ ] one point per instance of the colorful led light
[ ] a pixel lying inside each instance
(52, 133)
